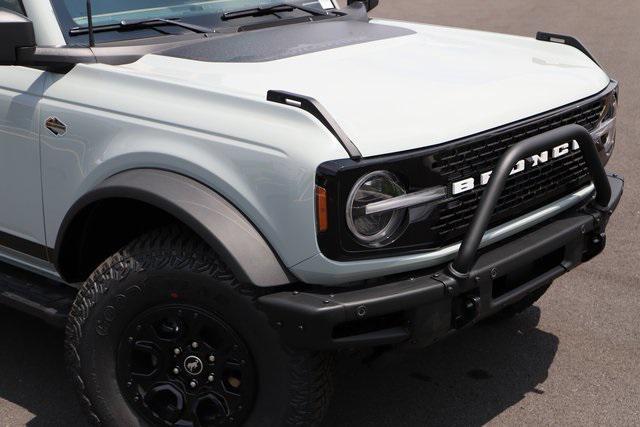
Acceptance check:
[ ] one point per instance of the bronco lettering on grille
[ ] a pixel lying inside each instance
(561, 150)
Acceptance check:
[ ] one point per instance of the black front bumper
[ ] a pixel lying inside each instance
(418, 310)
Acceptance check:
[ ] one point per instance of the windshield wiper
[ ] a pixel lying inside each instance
(137, 25)
(261, 11)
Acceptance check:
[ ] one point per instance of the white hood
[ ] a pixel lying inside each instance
(436, 85)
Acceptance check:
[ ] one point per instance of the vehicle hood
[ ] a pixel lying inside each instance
(423, 86)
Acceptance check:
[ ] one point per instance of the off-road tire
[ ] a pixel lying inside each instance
(293, 386)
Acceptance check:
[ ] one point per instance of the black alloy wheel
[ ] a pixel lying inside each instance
(179, 365)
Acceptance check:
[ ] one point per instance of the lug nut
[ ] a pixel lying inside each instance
(193, 384)
(194, 345)
(210, 378)
(176, 351)
(176, 371)
(212, 358)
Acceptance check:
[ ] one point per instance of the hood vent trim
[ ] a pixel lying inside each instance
(316, 109)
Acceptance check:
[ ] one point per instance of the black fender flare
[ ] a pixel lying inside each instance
(229, 233)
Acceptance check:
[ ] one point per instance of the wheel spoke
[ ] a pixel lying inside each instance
(197, 325)
(167, 401)
(145, 331)
(233, 354)
(208, 410)
(146, 361)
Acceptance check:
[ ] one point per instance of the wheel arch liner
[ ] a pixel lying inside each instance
(231, 235)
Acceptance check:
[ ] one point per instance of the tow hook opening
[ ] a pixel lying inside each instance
(366, 326)
(465, 310)
(504, 284)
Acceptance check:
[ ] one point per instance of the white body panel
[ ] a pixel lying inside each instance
(20, 180)
(435, 86)
(249, 151)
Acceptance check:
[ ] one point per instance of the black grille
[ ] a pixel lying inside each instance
(528, 190)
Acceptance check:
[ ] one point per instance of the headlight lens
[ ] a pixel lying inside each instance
(378, 229)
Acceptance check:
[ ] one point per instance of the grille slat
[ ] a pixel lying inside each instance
(526, 191)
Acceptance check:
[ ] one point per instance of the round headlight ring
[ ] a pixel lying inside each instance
(381, 229)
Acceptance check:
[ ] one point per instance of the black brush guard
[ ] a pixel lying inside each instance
(527, 148)
(416, 310)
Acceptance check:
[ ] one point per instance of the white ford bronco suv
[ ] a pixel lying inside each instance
(214, 196)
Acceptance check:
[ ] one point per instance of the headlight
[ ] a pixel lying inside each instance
(380, 228)
(605, 132)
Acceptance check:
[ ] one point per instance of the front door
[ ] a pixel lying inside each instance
(21, 217)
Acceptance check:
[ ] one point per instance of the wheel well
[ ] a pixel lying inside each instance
(101, 229)
(132, 203)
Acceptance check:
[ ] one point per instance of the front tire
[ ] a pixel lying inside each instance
(162, 334)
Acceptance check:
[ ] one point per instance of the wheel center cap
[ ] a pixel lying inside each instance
(193, 365)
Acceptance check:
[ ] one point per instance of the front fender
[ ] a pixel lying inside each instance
(204, 211)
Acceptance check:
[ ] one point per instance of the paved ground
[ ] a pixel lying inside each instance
(573, 360)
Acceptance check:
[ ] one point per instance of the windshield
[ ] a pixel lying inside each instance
(73, 13)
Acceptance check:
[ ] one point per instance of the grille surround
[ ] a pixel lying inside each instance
(426, 168)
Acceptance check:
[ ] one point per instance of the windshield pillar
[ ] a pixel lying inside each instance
(47, 29)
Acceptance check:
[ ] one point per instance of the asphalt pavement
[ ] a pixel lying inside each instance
(573, 359)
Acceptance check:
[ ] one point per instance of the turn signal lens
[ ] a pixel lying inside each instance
(321, 209)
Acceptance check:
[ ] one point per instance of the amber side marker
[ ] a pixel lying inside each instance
(321, 209)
